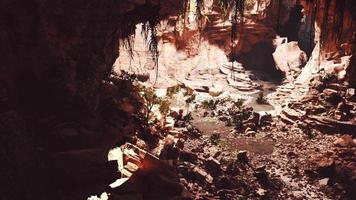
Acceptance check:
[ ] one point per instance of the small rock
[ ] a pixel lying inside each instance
(324, 182)
(261, 192)
(252, 126)
(223, 118)
(201, 175)
(261, 176)
(205, 114)
(326, 167)
(265, 119)
(291, 154)
(213, 166)
(251, 133)
(216, 90)
(332, 96)
(217, 154)
(345, 141)
(188, 156)
(242, 156)
(318, 110)
(344, 107)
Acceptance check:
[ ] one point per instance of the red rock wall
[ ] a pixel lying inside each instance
(335, 28)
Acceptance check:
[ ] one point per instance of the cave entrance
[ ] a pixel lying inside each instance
(259, 61)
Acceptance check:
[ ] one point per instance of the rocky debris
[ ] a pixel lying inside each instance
(325, 107)
(141, 170)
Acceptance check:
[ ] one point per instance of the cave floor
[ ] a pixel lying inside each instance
(286, 152)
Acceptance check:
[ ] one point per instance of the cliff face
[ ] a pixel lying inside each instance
(335, 29)
(301, 21)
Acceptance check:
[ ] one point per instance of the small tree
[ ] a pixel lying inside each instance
(150, 99)
(164, 107)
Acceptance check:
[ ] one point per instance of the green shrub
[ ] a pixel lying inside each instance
(173, 90)
(328, 78)
(150, 99)
(261, 99)
(188, 117)
(164, 106)
(215, 138)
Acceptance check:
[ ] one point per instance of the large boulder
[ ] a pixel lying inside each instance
(288, 57)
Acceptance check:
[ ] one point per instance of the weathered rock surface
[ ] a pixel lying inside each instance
(288, 57)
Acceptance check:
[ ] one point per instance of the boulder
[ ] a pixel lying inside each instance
(216, 90)
(242, 156)
(201, 175)
(288, 57)
(332, 96)
(188, 156)
(345, 141)
(326, 167)
(213, 166)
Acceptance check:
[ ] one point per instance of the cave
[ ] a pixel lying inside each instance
(177, 99)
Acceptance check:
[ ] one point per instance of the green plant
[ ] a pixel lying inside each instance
(164, 107)
(210, 104)
(127, 76)
(329, 77)
(188, 91)
(188, 117)
(215, 138)
(173, 90)
(150, 99)
(239, 102)
(152, 42)
(261, 99)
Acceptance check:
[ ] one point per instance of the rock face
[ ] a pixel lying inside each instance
(334, 29)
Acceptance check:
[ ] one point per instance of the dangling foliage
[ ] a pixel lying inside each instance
(224, 4)
(238, 9)
(149, 32)
(199, 5)
(127, 43)
(185, 11)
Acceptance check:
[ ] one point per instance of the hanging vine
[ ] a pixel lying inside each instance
(199, 5)
(238, 9)
(149, 32)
